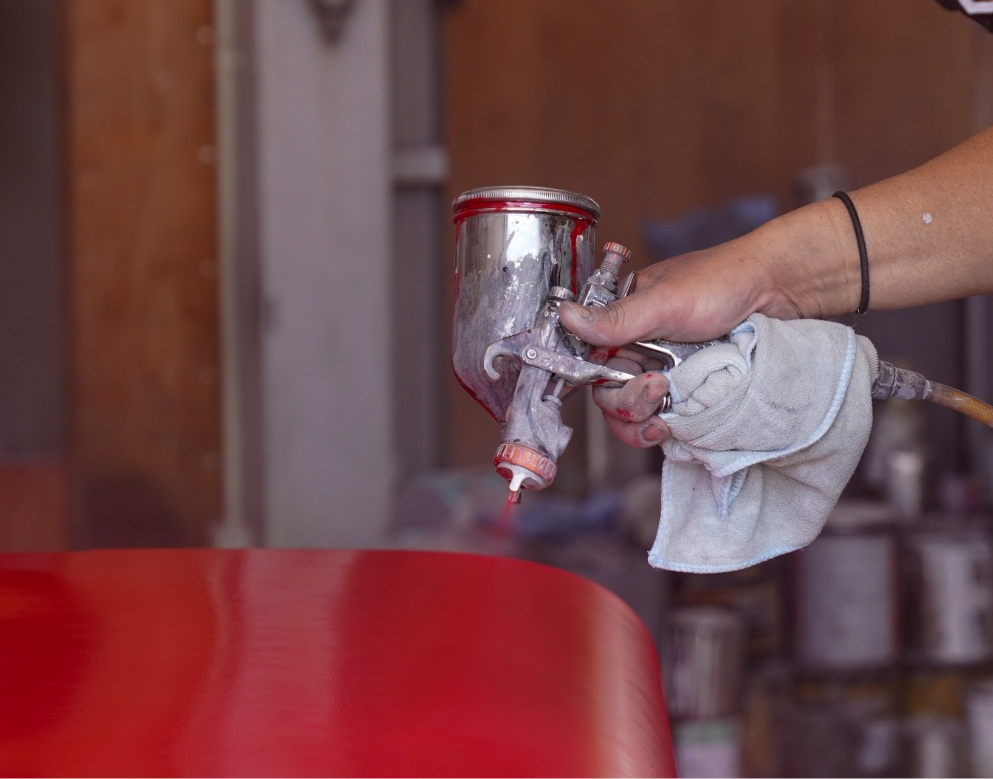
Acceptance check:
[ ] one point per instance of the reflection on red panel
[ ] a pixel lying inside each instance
(266, 662)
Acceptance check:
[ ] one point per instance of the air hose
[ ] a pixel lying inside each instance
(901, 383)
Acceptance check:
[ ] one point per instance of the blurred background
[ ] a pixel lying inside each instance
(225, 290)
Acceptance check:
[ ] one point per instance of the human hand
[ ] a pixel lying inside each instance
(698, 297)
(797, 265)
(695, 297)
(630, 411)
(690, 298)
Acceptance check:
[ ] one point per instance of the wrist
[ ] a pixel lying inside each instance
(811, 263)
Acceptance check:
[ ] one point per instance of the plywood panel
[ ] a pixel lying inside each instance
(653, 108)
(904, 84)
(143, 298)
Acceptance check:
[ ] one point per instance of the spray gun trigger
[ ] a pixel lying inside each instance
(572, 369)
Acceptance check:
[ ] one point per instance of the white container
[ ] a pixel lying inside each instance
(950, 576)
(878, 750)
(979, 720)
(707, 748)
(847, 600)
(705, 661)
(935, 746)
(905, 482)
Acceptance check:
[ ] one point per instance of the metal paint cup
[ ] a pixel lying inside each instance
(512, 245)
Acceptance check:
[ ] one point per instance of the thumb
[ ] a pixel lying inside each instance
(622, 322)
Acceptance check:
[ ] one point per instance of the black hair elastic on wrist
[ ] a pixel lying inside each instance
(863, 255)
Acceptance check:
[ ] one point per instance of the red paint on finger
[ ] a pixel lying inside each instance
(600, 356)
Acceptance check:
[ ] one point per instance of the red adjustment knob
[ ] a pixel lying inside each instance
(543, 468)
(615, 248)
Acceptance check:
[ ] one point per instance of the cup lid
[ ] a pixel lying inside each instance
(548, 195)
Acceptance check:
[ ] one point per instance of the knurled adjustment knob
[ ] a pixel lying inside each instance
(542, 467)
(614, 256)
(615, 248)
(561, 293)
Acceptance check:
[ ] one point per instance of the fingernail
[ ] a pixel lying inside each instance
(654, 392)
(651, 434)
(583, 312)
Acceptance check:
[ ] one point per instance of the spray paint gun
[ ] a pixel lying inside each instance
(520, 253)
(551, 360)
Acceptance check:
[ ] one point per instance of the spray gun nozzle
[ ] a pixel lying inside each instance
(517, 481)
(524, 468)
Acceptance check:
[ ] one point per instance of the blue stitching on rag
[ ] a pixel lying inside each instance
(659, 562)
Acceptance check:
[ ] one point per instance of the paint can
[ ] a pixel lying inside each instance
(979, 721)
(707, 748)
(768, 689)
(878, 750)
(949, 582)
(935, 747)
(905, 482)
(818, 739)
(754, 593)
(846, 591)
(931, 691)
(861, 709)
(705, 658)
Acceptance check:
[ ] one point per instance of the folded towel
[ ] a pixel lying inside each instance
(766, 432)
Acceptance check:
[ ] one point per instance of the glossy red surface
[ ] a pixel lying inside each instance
(302, 663)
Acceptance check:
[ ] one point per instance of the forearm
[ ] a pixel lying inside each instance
(929, 237)
(928, 233)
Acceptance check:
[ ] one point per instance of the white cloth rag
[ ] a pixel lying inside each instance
(766, 432)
